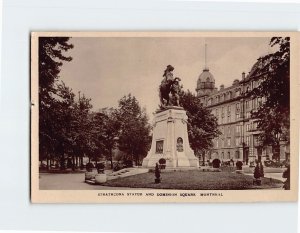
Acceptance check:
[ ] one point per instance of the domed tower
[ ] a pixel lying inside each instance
(205, 83)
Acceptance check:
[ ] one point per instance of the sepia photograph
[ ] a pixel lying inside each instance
(164, 117)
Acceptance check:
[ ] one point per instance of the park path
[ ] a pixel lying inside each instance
(276, 176)
(71, 181)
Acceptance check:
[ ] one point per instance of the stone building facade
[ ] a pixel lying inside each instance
(239, 138)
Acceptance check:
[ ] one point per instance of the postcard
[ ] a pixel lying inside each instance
(160, 117)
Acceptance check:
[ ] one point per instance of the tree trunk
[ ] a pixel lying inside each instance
(111, 159)
(62, 162)
(73, 163)
(47, 163)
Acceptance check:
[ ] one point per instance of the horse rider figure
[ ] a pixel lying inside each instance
(175, 90)
(165, 86)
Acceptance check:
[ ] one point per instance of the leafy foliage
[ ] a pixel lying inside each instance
(134, 137)
(105, 133)
(274, 113)
(52, 96)
(202, 125)
(239, 165)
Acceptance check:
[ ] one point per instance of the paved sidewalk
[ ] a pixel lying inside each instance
(277, 176)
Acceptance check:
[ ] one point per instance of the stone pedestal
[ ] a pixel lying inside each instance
(170, 140)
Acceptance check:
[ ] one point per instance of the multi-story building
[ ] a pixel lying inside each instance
(239, 134)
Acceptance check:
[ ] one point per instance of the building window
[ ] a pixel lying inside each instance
(228, 155)
(259, 101)
(238, 106)
(248, 89)
(228, 141)
(248, 127)
(248, 140)
(248, 114)
(222, 97)
(222, 155)
(238, 129)
(238, 141)
(254, 103)
(255, 140)
(228, 118)
(237, 154)
(255, 125)
(217, 143)
(228, 131)
(258, 83)
(247, 104)
(237, 115)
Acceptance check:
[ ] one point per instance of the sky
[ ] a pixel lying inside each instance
(106, 69)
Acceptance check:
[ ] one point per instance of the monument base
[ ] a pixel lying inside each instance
(170, 140)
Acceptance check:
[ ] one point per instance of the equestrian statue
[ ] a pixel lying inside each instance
(169, 89)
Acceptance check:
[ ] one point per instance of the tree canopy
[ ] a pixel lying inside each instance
(134, 137)
(274, 113)
(52, 97)
(202, 125)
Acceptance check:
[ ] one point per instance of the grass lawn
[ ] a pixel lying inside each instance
(194, 180)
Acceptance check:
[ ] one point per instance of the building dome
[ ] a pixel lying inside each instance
(205, 80)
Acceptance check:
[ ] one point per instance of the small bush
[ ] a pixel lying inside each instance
(89, 167)
(216, 163)
(128, 163)
(239, 165)
(258, 171)
(157, 174)
(162, 161)
(100, 167)
(117, 167)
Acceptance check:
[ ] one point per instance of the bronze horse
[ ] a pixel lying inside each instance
(168, 84)
(164, 92)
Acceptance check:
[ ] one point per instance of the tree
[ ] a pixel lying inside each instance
(50, 60)
(107, 127)
(274, 113)
(62, 121)
(202, 125)
(134, 137)
(82, 128)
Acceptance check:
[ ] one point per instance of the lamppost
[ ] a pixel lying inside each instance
(276, 150)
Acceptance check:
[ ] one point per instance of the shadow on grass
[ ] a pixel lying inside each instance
(194, 180)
